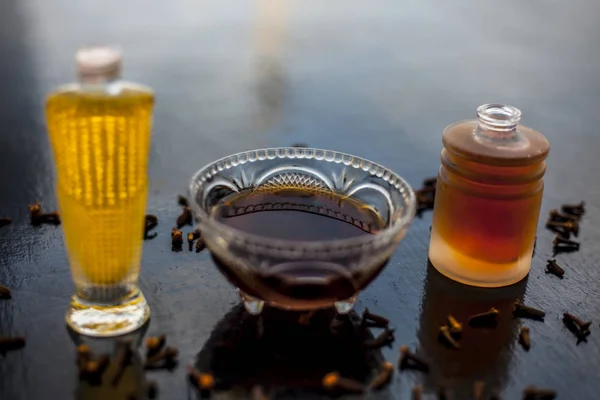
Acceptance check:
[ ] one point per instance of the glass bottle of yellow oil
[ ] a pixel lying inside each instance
(488, 197)
(99, 128)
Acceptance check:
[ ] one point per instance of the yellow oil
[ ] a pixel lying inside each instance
(101, 143)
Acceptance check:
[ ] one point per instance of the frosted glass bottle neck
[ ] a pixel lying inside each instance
(498, 121)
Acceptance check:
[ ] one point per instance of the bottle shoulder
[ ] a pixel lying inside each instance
(526, 146)
(107, 92)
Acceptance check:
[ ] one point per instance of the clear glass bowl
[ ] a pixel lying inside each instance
(246, 258)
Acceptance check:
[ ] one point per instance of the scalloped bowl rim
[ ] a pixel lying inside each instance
(207, 222)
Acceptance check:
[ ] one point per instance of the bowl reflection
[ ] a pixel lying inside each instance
(287, 353)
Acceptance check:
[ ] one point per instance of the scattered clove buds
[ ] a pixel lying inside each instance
(93, 369)
(5, 292)
(193, 236)
(335, 383)
(182, 201)
(151, 223)
(176, 240)
(553, 268)
(165, 358)
(154, 344)
(185, 218)
(523, 311)
(583, 325)
(385, 338)
(446, 337)
(383, 377)
(535, 393)
(487, 318)
(561, 242)
(10, 343)
(5, 221)
(203, 382)
(38, 217)
(409, 360)
(200, 244)
(151, 389)
(374, 320)
(566, 227)
(524, 338)
(454, 326)
(574, 209)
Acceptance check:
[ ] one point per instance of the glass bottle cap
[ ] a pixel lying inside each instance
(96, 64)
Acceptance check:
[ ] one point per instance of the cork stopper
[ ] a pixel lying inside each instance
(98, 64)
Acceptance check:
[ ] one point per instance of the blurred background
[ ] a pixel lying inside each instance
(355, 76)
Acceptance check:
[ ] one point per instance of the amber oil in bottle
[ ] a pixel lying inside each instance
(488, 198)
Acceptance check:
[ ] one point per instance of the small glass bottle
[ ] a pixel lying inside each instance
(99, 128)
(488, 197)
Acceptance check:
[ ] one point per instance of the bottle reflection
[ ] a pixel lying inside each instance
(287, 353)
(123, 376)
(271, 81)
(485, 353)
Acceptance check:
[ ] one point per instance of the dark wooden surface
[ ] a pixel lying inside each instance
(377, 79)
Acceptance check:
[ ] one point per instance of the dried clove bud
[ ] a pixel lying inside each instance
(176, 240)
(385, 338)
(478, 387)
(566, 227)
(165, 358)
(553, 268)
(374, 320)
(428, 182)
(84, 354)
(5, 221)
(574, 209)
(409, 360)
(578, 321)
(5, 292)
(383, 377)
(524, 338)
(258, 393)
(523, 311)
(299, 145)
(52, 218)
(454, 325)
(122, 359)
(10, 343)
(182, 201)
(151, 389)
(185, 218)
(154, 344)
(151, 223)
(487, 318)
(93, 370)
(335, 383)
(417, 393)
(446, 337)
(203, 382)
(556, 216)
(200, 244)
(535, 393)
(35, 212)
(561, 242)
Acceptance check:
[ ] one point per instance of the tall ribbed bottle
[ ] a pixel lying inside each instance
(99, 128)
(488, 198)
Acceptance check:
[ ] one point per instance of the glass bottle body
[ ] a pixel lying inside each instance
(100, 134)
(487, 204)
